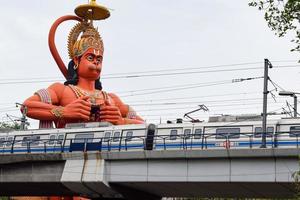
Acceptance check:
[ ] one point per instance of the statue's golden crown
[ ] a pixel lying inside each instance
(90, 38)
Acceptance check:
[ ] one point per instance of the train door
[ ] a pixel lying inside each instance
(74, 141)
(81, 141)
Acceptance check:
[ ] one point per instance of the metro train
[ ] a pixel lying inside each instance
(218, 132)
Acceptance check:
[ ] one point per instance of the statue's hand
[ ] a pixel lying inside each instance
(78, 109)
(111, 113)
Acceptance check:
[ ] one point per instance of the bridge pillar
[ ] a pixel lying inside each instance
(85, 174)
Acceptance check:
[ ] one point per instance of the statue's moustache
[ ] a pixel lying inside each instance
(94, 67)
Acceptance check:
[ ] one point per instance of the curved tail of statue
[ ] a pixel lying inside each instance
(51, 42)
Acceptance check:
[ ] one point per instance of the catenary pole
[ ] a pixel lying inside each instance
(267, 64)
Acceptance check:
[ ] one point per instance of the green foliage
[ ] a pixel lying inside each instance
(296, 177)
(282, 16)
(4, 125)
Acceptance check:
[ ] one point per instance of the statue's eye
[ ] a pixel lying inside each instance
(90, 58)
(99, 59)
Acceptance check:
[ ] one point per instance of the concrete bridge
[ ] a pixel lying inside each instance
(263, 173)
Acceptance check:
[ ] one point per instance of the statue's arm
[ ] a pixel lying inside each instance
(39, 109)
(79, 109)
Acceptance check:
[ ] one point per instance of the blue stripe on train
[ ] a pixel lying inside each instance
(156, 146)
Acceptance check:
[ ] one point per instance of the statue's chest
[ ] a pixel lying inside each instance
(73, 93)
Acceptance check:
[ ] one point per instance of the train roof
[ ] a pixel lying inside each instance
(90, 127)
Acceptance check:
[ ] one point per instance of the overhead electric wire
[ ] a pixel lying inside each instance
(182, 87)
(154, 73)
(178, 98)
(150, 71)
(194, 72)
(145, 73)
(195, 102)
(183, 73)
(19, 82)
(179, 103)
(9, 110)
(171, 117)
(172, 87)
(192, 97)
(176, 89)
(286, 66)
(275, 84)
(187, 68)
(209, 106)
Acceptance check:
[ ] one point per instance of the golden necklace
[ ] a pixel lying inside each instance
(80, 92)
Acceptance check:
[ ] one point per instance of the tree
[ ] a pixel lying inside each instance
(282, 16)
(5, 125)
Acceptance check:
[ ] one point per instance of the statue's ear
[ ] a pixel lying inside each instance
(76, 60)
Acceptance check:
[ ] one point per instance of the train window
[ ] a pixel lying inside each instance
(25, 141)
(129, 135)
(223, 133)
(60, 138)
(84, 137)
(173, 134)
(9, 141)
(2, 141)
(258, 131)
(51, 139)
(187, 133)
(35, 140)
(198, 133)
(116, 137)
(294, 131)
(106, 136)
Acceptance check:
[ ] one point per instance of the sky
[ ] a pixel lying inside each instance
(163, 57)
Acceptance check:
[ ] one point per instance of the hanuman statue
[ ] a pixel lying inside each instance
(80, 98)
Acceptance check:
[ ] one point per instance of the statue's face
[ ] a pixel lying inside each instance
(90, 64)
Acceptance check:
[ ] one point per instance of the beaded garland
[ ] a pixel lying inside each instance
(93, 95)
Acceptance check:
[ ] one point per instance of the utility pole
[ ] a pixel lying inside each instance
(265, 101)
(23, 118)
(295, 106)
